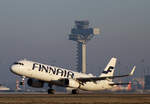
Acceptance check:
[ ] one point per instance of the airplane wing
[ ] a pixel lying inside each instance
(94, 79)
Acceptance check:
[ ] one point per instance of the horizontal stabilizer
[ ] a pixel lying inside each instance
(89, 79)
(119, 84)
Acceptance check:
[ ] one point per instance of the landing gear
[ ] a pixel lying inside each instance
(50, 90)
(75, 91)
(22, 80)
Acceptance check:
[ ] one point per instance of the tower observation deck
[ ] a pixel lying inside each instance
(81, 33)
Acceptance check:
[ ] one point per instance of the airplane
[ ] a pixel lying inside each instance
(39, 74)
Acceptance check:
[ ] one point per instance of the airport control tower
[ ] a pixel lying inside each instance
(81, 33)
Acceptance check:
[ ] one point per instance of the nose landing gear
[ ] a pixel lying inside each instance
(22, 80)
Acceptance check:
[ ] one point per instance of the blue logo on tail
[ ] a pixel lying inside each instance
(109, 70)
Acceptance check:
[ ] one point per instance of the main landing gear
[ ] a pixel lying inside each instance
(75, 91)
(50, 90)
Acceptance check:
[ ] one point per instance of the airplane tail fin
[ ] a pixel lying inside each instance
(109, 70)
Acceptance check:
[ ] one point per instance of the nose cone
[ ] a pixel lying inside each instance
(13, 69)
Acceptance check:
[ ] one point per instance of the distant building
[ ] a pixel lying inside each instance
(3, 88)
(147, 82)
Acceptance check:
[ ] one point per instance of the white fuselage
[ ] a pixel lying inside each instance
(49, 73)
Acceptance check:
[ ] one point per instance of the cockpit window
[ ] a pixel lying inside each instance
(18, 63)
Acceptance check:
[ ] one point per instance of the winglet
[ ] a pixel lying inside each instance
(131, 73)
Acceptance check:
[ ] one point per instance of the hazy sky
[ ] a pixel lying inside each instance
(38, 30)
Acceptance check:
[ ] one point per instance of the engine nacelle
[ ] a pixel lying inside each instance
(35, 83)
(69, 83)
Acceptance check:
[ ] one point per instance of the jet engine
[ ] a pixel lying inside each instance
(68, 83)
(35, 83)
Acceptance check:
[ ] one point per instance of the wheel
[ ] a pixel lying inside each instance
(51, 91)
(75, 91)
